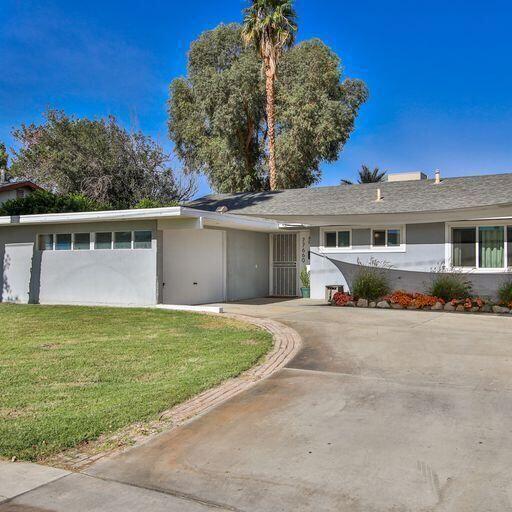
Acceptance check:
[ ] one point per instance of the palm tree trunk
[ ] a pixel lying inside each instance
(271, 120)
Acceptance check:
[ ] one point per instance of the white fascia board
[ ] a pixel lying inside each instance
(108, 215)
(229, 220)
(205, 217)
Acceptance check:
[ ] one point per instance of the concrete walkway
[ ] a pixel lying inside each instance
(380, 411)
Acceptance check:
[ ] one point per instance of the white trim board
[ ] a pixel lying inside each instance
(205, 218)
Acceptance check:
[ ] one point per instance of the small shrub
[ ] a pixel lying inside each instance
(305, 278)
(505, 293)
(370, 282)
(448, 286)
(341, 299)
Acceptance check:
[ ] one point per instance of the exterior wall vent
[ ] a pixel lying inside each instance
(407, 176)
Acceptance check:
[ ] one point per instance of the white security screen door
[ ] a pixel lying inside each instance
(284, 265)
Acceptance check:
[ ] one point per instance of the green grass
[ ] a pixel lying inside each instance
(69, 374)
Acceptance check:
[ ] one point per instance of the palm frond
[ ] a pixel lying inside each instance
(367, 175)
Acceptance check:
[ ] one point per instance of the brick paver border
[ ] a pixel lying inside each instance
(286, 344)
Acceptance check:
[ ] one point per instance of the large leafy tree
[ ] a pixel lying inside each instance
(95, 158)
(367, 175)
(270, 26)
(217, 114)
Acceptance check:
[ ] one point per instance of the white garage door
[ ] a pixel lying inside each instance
(193, 266)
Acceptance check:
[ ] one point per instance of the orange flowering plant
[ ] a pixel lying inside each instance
(341, 299)
(412, 300)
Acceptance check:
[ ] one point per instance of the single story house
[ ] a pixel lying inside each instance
(16, 190)
(238, 246)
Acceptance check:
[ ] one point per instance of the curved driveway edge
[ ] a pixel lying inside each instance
(286, 344)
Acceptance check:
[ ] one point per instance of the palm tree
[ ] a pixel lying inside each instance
(4, 158)
(368, 176)
(270, 25)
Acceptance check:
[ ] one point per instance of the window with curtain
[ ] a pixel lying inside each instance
(464, 247)
(491, 240)
(509, 246)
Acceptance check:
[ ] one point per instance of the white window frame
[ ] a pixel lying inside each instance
(400, 229)
(80, 233)
(371, 248)
(335, 229)
(92, 240)
(142, 248)
(39, 235)
(469, 224)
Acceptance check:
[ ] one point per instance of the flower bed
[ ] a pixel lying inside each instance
(400, 299)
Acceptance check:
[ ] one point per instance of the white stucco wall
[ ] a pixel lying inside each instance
(103, 276)
(122, 276)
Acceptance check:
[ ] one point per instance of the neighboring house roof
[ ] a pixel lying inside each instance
(6, 187)
(397, 197)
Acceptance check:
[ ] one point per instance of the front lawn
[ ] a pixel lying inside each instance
(69, 374)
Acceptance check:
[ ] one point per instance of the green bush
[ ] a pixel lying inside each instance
(154, 203)
(505, 293)
(370, 282)
(42, 201)
(448, 286)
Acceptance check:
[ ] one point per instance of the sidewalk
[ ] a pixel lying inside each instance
(26, 487)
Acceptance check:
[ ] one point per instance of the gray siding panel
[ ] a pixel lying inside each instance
(361, 237)
(247, 264)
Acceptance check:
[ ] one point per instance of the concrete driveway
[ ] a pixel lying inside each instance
(380, 411)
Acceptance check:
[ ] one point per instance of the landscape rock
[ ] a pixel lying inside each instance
(383, 304)
(460, 307)
(372, 305)
(362, 303)
(486, 308)
(397, 306)
(350, 304)
(449, 307)
(437, 307)
(475, 309)
(500, 309)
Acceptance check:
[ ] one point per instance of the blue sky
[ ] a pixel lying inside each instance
(439, 72)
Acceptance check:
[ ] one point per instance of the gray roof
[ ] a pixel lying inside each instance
(397, 197)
